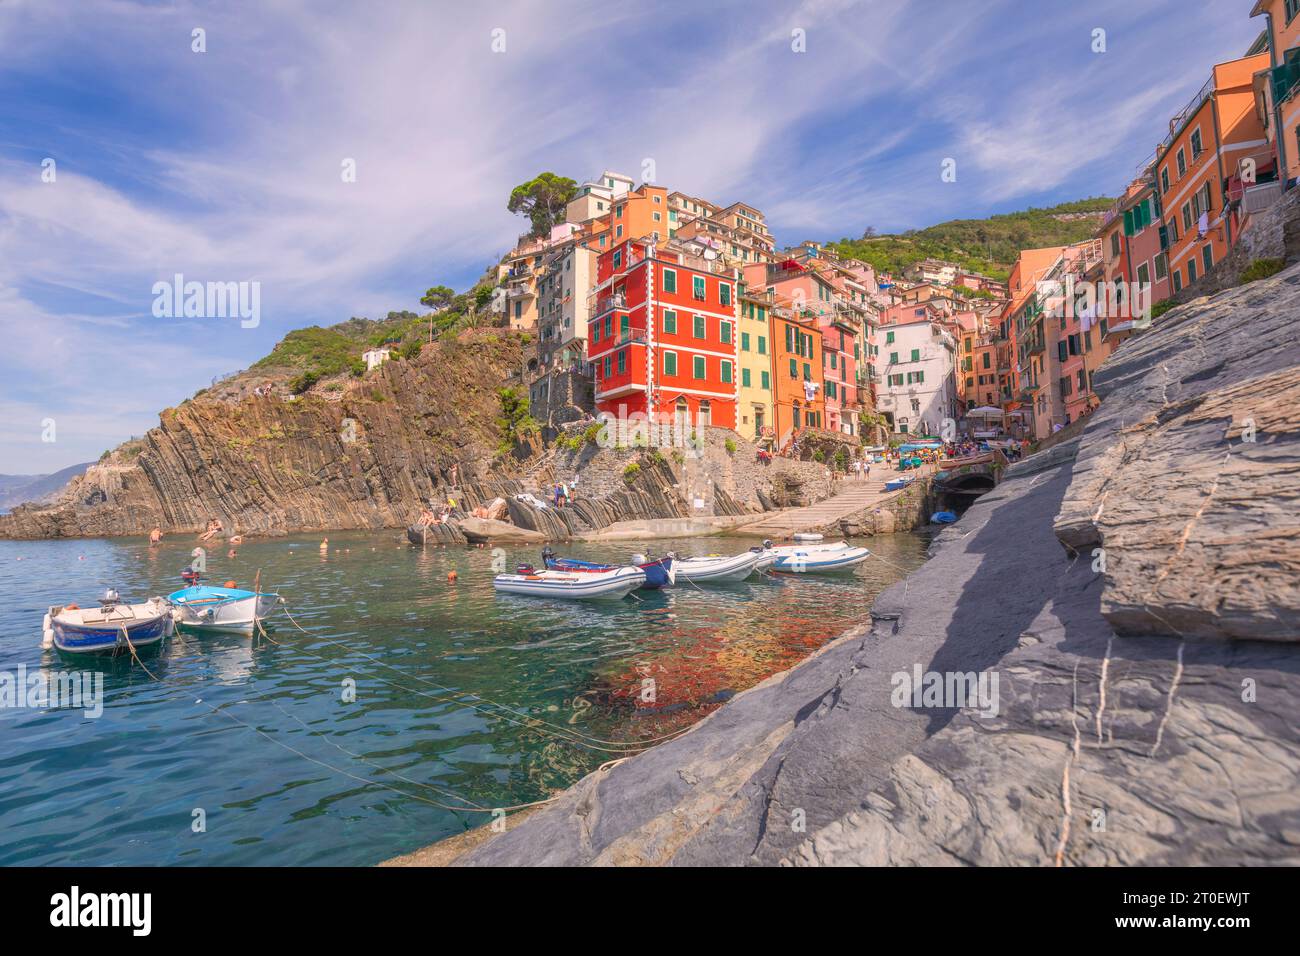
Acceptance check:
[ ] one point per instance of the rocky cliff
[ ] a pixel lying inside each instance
(1132, 592)
(349, 453)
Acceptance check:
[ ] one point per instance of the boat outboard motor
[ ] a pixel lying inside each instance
(110, 599)
(189, 575)
(767, 543)
(547, 555)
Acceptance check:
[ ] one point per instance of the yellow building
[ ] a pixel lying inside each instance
(754, 413)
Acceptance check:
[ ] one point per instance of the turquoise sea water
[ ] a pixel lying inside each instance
(462, 697)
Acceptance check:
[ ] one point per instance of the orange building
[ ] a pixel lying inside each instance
(797, 398)
(1278, 89)
(1199, 161)
(636, 214)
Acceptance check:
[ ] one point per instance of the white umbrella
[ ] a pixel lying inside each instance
(984, 411)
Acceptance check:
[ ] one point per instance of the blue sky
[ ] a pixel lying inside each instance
(226, 165)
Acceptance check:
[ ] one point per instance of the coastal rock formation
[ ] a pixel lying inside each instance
(364, 455)
(1094, 731)
(1187, 482)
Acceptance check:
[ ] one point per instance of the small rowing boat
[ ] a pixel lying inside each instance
(819, 558)
(719, 568)
(220, 609)
(658, 574)
(616, 583)
(111, 627)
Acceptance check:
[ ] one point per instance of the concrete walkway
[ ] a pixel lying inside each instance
(851, 496)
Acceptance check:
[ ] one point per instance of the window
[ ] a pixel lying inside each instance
(794, 369)
(618, 231)
(724, 332)
(916, 355)
(622, 361)
(765, 380)
(1196, 143)
(915, 378)
(807, 372)
(656, 216)
(670, 363)
(697, 288)
(1164, 180)
(726, 372)
(1114, 244)
(670, 322)
(1187, 216)
(699, 329)
(1144, 274)
(1191, 271)
(744, 341)
(986, 360)
(1162, 266)
(609, 326)
(1292, 7)
(618, 258)
(1207, 258)
(762, 345)
(697, 367)
(1182, 163)
(724, 293)
(618, 211)
(744, 378)
(606, 366)
(624, 327)
(1178, 281)
(893, 358)
(670, 280)
(889, 338)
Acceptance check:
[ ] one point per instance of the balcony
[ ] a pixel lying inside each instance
(605, 303)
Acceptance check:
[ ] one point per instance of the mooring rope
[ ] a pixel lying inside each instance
(134, 655)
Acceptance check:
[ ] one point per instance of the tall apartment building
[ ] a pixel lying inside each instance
(662, 334)
(1277, 88)
(757, 412)
(919, 390)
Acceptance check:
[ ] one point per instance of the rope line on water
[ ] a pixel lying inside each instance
(527, 721)
(134, 656)
(366, 780)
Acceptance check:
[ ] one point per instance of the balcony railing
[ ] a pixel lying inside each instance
(607, 302)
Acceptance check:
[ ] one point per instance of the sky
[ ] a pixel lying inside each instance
(128, 156)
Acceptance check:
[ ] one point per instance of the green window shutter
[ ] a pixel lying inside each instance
(807, 372)
(893, 358)
(744, 341)
(670, 363)
(889, 338)
(794, 369)
(609, 326)
(789, 338)
(724, 332)
(724, 293)
(916, 355)
(744, 378)
(624, 325)
(726, 372)
(670, 281)
(698, 366)
(697, 287)
(670, 322)
(622, 360)
(1128, 222)
(699, 327)
(765, 379)
(762, 345)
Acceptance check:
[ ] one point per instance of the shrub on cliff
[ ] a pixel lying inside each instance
(1262, 269)
(631, 471)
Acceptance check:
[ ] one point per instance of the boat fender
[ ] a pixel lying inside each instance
(47, 632)
(229, 584)
(451, 577)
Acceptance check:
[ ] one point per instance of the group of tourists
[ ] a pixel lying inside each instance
(563, 492)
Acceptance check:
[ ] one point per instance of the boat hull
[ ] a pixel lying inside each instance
(90, 631)
(220, 609)
(718, 570)
(576, 586)
(829, 559)
(658, 574)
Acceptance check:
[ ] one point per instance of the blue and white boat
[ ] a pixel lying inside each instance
(819, 558)
(210, 608)
(658, 574)
(617, 583)
(110, 628)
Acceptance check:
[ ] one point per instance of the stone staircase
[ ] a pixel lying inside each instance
(851, 496)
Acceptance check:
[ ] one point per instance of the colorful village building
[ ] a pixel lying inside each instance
(662, 335)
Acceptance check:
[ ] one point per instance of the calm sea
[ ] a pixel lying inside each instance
(409, 709)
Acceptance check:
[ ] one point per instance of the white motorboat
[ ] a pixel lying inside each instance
(111, 627)
(221, 609)
(615, 583)
(819, 558)
(718, 568)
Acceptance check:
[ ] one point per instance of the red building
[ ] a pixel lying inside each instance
(662, 335)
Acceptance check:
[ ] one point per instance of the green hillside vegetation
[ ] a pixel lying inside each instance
(989, 246)
(318, 352)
